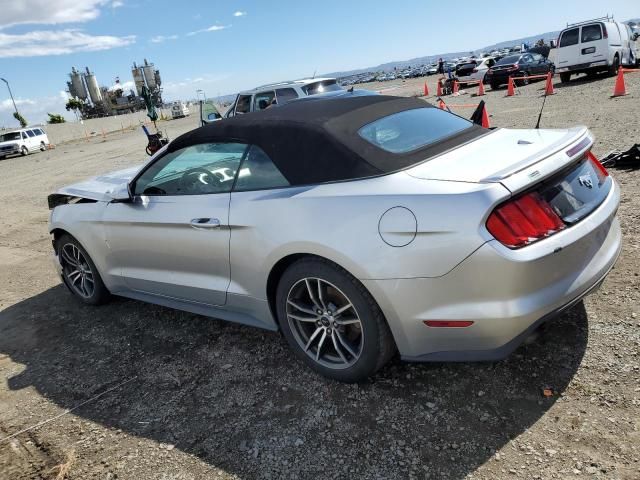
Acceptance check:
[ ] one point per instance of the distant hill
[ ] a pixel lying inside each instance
(401, 64)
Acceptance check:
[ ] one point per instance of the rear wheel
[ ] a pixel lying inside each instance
(524, 79)
(24, 151)
(331, 322)
(494, 86)
(79, 273)
(43, 147)
(613, 70)
(565, 77)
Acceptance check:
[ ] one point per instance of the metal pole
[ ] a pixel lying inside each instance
(11, 95)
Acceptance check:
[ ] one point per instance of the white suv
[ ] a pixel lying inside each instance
(278, 93)
(23, 141)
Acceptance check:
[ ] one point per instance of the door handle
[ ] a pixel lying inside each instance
(205, 223)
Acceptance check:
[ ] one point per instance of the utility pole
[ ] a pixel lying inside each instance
(11, 95)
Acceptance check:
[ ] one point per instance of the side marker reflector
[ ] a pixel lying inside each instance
(448, 323)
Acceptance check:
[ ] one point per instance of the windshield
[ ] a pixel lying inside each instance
(410, 130)
(8, 137)
(509, 60)
(321, 87)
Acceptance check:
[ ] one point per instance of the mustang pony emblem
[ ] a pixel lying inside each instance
(585, 181)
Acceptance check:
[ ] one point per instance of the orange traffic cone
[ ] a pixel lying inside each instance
(480, 89)
(510, 90)
(439, 92)
(620, 89)
(442, 105)
(485, 117)
(455, 87)
(426, 90)
(548, 89)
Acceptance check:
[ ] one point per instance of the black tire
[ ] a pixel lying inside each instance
(565, 77)
(100, 294)
(523, 80)
(613, 70)
(43, 147)
(494, 86)
(24, 151)
(377, 345)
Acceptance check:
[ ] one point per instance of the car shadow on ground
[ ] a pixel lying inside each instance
(238, 399)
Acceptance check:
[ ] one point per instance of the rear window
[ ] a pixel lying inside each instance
(569, 37)
(321, 87)
(509, 60)
(591, 33)
(410, 130)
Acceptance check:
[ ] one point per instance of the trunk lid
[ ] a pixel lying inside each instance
(515, 158)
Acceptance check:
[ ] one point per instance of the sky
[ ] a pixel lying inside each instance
(223, 46)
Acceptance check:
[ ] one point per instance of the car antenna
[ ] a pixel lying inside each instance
(540, 114)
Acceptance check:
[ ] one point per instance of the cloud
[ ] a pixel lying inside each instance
(59, 42)
(239, 14)
(52, 12)
(34, 109)
(163, 38)
(212, 28)
(186, 88)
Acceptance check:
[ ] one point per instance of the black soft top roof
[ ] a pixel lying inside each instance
(315, 141)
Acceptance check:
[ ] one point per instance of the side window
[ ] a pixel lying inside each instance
(24, 136)
(263, 100)
(243, 105)
(258, 172)
(536, 57)
(38, 132)
(569, 37)
(591, 33)
(285, 95)
(491, 62)
(196, 170)
(30, 133)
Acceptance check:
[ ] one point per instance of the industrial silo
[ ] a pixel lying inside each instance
(138, 78)
(92, 86)
(149, 75)
(76, 86)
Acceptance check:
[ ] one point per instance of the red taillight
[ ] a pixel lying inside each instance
(523, 220)
(604, 31)
(596, 163)
(475, 70)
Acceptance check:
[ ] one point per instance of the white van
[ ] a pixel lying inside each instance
(179, 110)
(23, 141)
(595, 46)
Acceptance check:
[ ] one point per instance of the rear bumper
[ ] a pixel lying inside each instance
(506, 293)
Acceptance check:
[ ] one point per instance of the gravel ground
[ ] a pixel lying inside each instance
(160, 394)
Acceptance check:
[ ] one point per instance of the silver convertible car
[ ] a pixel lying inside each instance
(357, 226)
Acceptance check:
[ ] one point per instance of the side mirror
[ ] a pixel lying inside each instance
(122, 194)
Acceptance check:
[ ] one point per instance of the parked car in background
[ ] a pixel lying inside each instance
(179, 110)
(596, 46)
(520, 66)
(357, 226)
(23, 141)
(261, 98)
(474, 70)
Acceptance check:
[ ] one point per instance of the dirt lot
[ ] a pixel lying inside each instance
(160, 394)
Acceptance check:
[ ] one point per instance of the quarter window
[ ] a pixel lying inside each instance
(30, 133)
(285, 95)
(258, 172)
(591, 33)
(569, 37)
(196, 170)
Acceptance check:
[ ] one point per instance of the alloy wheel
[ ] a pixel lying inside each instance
(77, 271)
(324, 323)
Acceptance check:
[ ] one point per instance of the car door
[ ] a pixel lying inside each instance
(593, 46)
(569, 48)
(172, 239)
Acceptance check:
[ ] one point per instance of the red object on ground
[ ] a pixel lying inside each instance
(455, 86)
(510, 90)
(426, 89)
(619, 89)
(480, 89)
(485, 117)
(548, 89)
